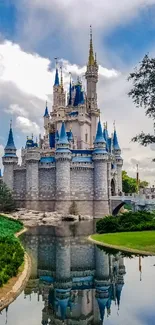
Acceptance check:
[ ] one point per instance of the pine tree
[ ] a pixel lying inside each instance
(7, 203)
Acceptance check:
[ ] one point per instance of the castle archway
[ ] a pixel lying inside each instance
(113, 190)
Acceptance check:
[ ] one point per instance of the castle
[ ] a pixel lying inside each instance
(75, 160)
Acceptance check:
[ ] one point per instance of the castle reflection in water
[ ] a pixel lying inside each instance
(77, 281)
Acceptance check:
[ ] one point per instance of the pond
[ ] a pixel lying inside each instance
(75, 282)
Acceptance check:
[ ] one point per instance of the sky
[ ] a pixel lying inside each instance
(33, 33)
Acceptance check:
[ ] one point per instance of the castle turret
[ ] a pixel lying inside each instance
(59, 96)
(102, 280)
(46, 119)
(32, 158)
(10, 160)
(118, 159)
(63, 159)
(92, 79)
(100, 158)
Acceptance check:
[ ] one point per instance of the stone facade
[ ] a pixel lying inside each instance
(75, 160)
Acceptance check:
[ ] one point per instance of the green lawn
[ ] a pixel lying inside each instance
(142, 240)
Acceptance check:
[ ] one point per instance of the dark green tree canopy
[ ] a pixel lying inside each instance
(143, 94)
(130, 183)
(6, 199)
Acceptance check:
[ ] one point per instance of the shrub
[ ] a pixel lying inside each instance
(73, 208)
(129, 221)
(11, 251)
(7, 202)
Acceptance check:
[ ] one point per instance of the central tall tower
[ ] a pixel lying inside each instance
(92, 79)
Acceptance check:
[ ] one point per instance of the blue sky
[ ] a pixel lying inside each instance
(32, 33)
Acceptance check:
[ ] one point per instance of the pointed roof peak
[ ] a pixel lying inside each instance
(99, 134)
(56, 83)
(63, 136)
(10, 142)
(115, 140)
(91, 59)
(46, 114)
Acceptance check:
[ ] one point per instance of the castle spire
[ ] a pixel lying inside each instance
(46, 114)
(63, 136)
(61, 82)
(10, 142)
(99, 135)
(115, 139)
(91, 59)
(56, 83)
(70, 91)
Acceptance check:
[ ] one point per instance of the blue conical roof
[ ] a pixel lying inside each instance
(102, 304)
(0, 173)
(70, 135)
(46, 114)
(70, 94)
(57, 135)
(115, 141)
(10, 143)
(56, 83)
(99, 135)
(63, 136)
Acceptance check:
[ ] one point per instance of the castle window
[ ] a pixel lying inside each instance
(86, 137)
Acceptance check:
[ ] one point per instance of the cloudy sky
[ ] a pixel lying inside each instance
(32, 33)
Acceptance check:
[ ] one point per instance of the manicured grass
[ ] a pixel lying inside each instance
(140, 240)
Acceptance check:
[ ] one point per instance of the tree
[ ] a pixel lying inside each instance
(130, 184)
(6, 199)
(73, 208)
(143, 94)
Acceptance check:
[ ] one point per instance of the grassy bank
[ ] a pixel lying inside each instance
(11, 252)
(142, 241)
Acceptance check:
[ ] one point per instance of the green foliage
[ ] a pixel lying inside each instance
(11, 251)
(129, 221)
(143, 94)
(129, 184)
(6, 199)
(73, 209)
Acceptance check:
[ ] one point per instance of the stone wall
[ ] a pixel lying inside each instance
(82, 254)
(47, 183)
(19, 183)
(82, 184)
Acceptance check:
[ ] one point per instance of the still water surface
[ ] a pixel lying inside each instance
(75, 282)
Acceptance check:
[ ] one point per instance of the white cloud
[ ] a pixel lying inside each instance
(27, 126)
(23, 95)
(79, 13)
(15, 109)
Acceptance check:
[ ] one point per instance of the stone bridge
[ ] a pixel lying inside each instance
(138, 202)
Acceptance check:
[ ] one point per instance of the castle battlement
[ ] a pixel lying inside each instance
(75, 160)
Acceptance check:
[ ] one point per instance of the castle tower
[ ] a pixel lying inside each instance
(46, 119)
(102, 280)
(92, 79)
(59, 96)
(10, 160)
(100, 158)
(119, 161)
(63, 159)
(32, 158)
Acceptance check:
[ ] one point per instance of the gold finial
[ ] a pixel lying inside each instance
(61, 84)
(11, 124)
(32, 136)
(106, 125)
(91, 60)
(27, 137)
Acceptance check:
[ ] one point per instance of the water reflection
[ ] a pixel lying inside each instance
(75, 282)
